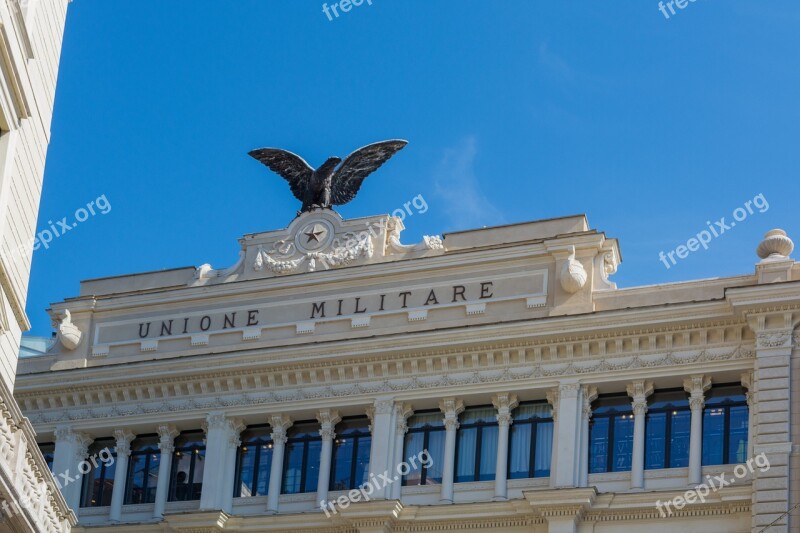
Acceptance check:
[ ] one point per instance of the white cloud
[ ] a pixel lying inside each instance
(459, 191)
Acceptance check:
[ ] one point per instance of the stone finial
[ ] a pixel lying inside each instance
(69, 334)
(572, 276)
(776, 245)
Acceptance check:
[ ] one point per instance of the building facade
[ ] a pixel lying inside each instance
(30, 47)
(335, 379)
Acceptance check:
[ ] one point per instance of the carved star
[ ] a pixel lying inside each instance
(314, 233)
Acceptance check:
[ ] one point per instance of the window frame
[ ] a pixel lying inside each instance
(104, 466)
(611, 416)
(306, 440)
(426, 429)
(670, 412)
(356, 437)
(172, 495)
(534, 422)
(127, 500)
(480, 426)
(256, 443)
(726, 405)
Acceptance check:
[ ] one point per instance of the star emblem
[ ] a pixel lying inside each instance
(314, 233)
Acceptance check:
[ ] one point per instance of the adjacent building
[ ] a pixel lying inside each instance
(30, 46)
(335, 379)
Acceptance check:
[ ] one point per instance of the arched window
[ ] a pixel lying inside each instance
(531, 443)
(188, 461)
(350, 465)
(425, 432)
(253, 462)
(667, 429)
(611, 434)
(301, 461)
(725, 420)
(98, 482)
(143, 470)
(476, 445)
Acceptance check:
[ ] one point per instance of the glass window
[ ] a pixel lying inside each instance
(188, 460)
(143, 470)
(253, 462)
(301, 458)
(350, 465)
(425, 432)
(48, 450)
(667, 429)
(611, 434)
(98, 482)
(725, 425)
(531, 441)
(476, 445)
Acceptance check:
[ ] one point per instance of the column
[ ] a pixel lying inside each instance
(328, 419)
(166, 434)
(123, 439)
(71, 449)
(565, 464)
(696, 386)
(235, 428)
(381, 453)
(589, 395)
(504, 403)
(217, 431)
(451, 407)
(402, 411)
(638, 390)
(280, 424)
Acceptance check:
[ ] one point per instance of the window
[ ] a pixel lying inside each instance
(531, 441)
(98, 482)
(143, 470)
(611, 434)
(667, 429)
(350, 465)
(301, 459)
(725, 421)
(253, 463)
(188, 460)
(476, 445)
(48, 450)
(425, 432)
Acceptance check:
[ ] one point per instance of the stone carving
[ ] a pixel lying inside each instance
(773, 339)
(354, 247)
(507, 375)
(393, 244)
(206, 272)
(776, 245)
(573, 276)
(68, 333)
(326, 186)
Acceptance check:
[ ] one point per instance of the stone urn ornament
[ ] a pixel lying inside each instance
(68, 333)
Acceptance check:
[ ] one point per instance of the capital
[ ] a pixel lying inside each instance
(279, 424)
(504, 402)
(589, 395)
(697, 386)
(166, 437)
(639, 390)
(402, 413)
(123, 438)
(327, 418)
(451, 407)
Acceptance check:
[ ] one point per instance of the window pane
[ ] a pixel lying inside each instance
(737, 443)
(431, 419)
(520, 451)
(312, 466)
(99, 481)
(247, 464)
(713, 435)
(679, 442)
(528, 411)
(598, 445)
(413, 447)
(655, 440)
(264, 468)
(623, 443)
(478, 414)
(544, 449)
(488, 453)
(293, 469)
(342, 463)
(433, 475)
(465, 454)
(362, 461)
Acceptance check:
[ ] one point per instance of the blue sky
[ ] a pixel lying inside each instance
(514, 111)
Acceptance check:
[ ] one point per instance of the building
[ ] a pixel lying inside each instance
(30, 47)
(262, 396)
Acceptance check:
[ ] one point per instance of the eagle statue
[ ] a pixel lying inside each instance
(327, 185)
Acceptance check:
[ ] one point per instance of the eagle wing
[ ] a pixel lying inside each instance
(289, 166)
(359, 165)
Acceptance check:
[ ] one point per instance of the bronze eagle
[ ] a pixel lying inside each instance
(327, 185)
